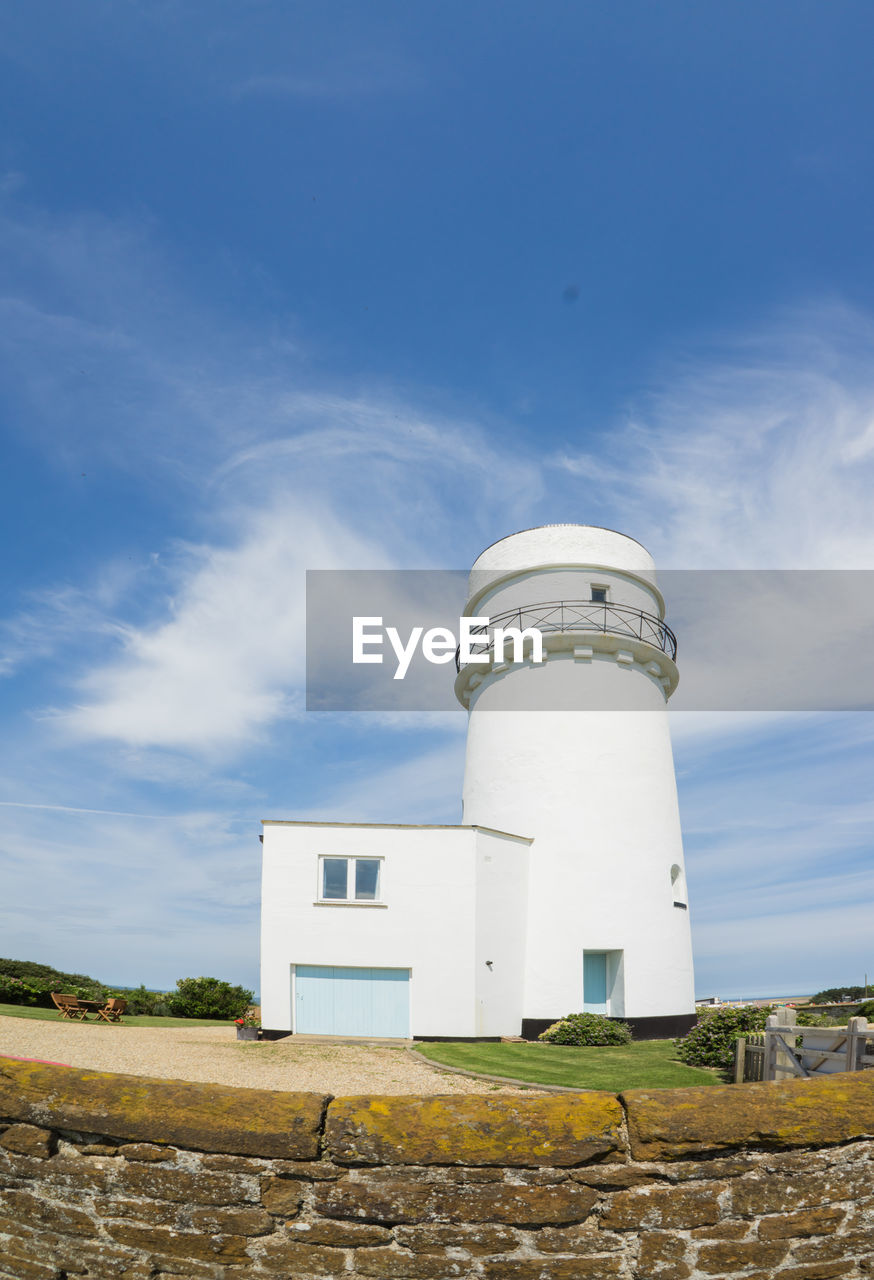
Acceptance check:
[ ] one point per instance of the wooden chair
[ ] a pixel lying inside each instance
(68, 1006)
(112, 1010)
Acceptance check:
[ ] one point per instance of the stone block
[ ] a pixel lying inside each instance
(250, 1221)
(671, 1124)
(156, 1213)
(39, 1210)
(679, 1207)
(663, 1256)
(81, 1173)
(162, 1182)
(557, 1131)
(235, 1164)
(833, 1248)
(147, 1151)
(179, 1244)
(397, 1264)
(480, 1240)
(313, 1170)
(403, 1202)
(779, 1193)
(614, 1176)
(737, 1255)
(282, 1196)
(289, 1258)
(730, 1229)
(202, 1117)
(807, 1222)
(581, 1240)
(28, 1140)
(340, 1235)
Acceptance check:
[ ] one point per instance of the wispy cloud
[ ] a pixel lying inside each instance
(757, 452)
(126, 906)
(362, 75)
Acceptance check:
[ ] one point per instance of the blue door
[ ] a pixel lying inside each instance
(595, 982)
(331, 1000)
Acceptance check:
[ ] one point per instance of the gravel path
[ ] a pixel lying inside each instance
(214, 1055)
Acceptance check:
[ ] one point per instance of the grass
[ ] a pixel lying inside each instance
(130, 1020)
(647, 1064)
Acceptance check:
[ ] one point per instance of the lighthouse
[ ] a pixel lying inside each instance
(563, 887)
(575, 751)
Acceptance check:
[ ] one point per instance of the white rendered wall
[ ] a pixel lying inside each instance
(425, 922)
(500, 926)
(596, 788)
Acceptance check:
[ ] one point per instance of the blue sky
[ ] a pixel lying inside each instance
(370, 286)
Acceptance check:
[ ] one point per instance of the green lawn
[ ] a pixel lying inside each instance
(141, 1020)
(648, 1064)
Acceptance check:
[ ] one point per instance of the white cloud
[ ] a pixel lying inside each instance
(227, 662)
(754, 455)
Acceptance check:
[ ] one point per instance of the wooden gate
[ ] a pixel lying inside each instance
(785, 1050)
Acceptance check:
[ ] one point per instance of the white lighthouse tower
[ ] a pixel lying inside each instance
(575, 752)
(563, 887)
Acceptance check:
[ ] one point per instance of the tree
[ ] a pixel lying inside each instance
(208, 998)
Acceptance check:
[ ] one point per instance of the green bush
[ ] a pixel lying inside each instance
(155, 1004)
(16, 991)
(208, 998)
(586, 1029)
(30, 970)
(865, 1010)
(26, 982)
(39, 993)
(710, 1043)
(805, 1019)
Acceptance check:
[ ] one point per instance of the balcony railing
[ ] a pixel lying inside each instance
(580, 615)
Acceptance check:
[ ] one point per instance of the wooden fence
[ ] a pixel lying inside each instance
(785, 1050)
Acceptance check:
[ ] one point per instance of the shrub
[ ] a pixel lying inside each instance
(710, 1043)
(208, 998)
(52, 979)
(805, 1019)
(586, 1029)
(16, 991)
(26, 982)
(865, 1010)
(155, 1004)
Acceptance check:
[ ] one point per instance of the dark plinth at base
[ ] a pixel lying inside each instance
(667, 1027)
(268, 1034)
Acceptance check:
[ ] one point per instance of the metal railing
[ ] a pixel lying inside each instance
(580, 615)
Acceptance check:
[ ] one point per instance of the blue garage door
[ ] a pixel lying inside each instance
(335, 1001)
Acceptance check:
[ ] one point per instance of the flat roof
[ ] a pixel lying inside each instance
(399, 826)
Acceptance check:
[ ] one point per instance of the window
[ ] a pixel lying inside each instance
(349, 879)
(599, 595)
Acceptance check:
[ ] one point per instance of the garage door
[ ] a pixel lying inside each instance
(331, 1000)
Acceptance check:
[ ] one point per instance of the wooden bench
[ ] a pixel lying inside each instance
(69, 1006)
(112, 1010)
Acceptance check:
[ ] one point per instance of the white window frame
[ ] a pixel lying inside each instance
(599, 586)
(349, 859)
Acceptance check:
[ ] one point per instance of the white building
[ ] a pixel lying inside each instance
(563, 888)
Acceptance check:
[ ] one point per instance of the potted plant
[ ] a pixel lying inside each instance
(248, 1026)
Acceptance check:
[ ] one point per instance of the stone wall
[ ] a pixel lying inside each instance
(123, 1176)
